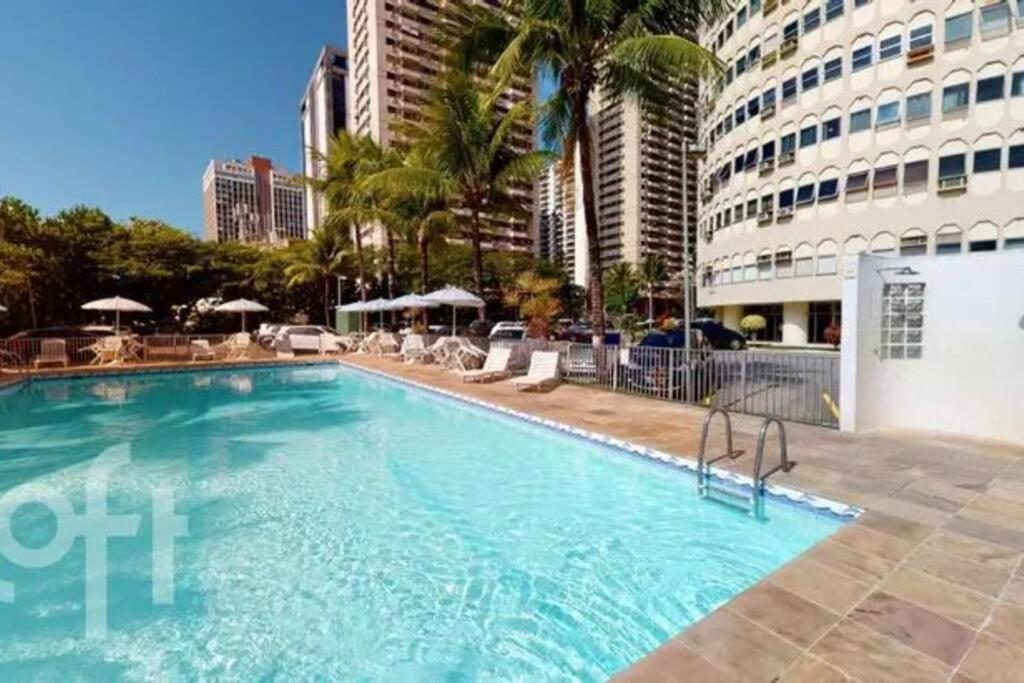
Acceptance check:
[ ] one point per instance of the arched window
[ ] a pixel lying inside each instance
(885, 175)
(956, 94)
(828, 184)
(984, 236)
(828, 252)
(804, 260)
(783, 262)
(764, 264)
(949, 240)
(808, 131)
(887, 111)
(806, 189)
(790, 85)
(890, 42)
(883, 244)
(913, 242)
(831, 124)
(862, 53)
(810, 74)
(853, 246)
(919, 37)
(1013, 234)
(860, 115)
(990, 85)
(832, 64)
(953, 166)
(987, 154)
(919, 102)
(915, 170)
(749, 267)
(857, 178)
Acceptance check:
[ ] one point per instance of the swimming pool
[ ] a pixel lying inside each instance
(348, 527)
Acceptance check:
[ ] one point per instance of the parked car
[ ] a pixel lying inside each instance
(310, 338)
(69, 332)
(267, 333)
(720, 336)
(583, 333)
(508, 330)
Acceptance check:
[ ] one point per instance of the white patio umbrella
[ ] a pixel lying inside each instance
(242, 306)
(119, 305)
(414, 301)
(456, 298)
(379, 306)
(3, 309)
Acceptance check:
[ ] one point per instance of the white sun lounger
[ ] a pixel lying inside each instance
(543, 372)
(413, 349)
(52, 351)
(495, 367)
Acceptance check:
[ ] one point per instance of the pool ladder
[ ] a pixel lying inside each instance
(751, 501)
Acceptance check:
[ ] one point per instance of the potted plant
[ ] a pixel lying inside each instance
(752, 324)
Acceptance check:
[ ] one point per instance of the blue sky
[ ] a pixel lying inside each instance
(121, 103)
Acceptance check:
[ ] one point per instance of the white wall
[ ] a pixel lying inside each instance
(970, 379)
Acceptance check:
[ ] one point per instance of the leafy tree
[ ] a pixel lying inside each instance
(536, 299)
(622, 288)
(652, 274)
(626, 48)
(318, 260)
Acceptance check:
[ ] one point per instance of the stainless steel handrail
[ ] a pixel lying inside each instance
(702, 463)
(784, 463)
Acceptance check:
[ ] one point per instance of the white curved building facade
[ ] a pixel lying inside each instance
(845, 126)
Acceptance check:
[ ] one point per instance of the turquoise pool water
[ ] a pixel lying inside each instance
(346, 527)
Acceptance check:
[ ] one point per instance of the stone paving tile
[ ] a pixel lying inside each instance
(1007, 622)
(673, 662)
(935, 494)
(994, 661)
(870, 656)
(976, 549)
(914, 626)
(819, 584)
(738, 647)
(784, 613)
(987, 531)
(996, 511)
(1014, 594)
(918, 513)
(896, 525)
(944, 598)
(1007, 489)
(810, 670)
(987, 580)
(870, 542)
(857, 565)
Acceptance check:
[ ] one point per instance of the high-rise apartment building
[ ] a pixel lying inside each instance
(252, 202)
(394, 60)
(561, 235)
(322, 113)
(850, 126)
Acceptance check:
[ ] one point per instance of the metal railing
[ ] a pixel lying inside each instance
(153, 348)
(794, 386)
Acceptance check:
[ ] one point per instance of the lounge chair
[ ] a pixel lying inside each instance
(494, 369)
(413, 349)
(543, 372)
(283, 347)
(388, 344)
(106, 350)
(200, 349)
(236, 347)
(52, 351)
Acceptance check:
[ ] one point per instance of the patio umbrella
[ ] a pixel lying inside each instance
(379, 306)
(456, 298)
(3, 309)
(242, 306)
(414, 301)
(119, 305)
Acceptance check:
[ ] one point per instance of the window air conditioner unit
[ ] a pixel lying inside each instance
(765, 217)
(787, 158)
(785, 212)
(766, 166)
(957, 183)
(768, 111)
(920, 55)
(787, 48)
(769, 58)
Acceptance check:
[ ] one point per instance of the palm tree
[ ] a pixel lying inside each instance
(621, 283)
(424, 222)
(626, 48)
(652, 274)
(465, 150)
(536, 299)
(319, 260)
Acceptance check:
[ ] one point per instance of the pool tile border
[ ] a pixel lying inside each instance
(179, 369)
(783, 494)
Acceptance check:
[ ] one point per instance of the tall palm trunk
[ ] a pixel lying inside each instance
(357, 235)
(478, 259)
(424, 249)
(590, 216)
(32, 304)
(389, 245)
(327, 300)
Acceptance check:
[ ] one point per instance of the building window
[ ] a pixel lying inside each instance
(827, 264)
(805, 195)
(828, 189)
(885, 177)
(830, 129)
(861, 58)
(808, 136)
(915, 176)
(741, 17)
(902, 321)
(955, 98)
(764, 267)
(989, 89)
(789, 143)
(860, 3)
(995, 20)
(919, 107)
(752, 208)
(750, 161)
(1016, 156)
(809, 81)
(860, 120)
(786, 198)
(958, 28)
(804, 266)
(888, 115)
(768, 98)
(987, 160)
(755, 7)
(791, 31)
(789, 90)
(768, 150)
(754, 56)
(772, 314)
(753, 107)
(920, 37)
(913, 245)
(982, 245)
(820, 315)
(741, 65)
(783, 265)
(812, 19)
(834, 69)
(857, 182)
(952, 166)
(833, 9)
(890, 48)
(1017, 83)
(948, 243)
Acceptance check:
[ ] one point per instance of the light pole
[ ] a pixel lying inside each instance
(696, 152)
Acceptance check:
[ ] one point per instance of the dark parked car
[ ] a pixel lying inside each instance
(716, 334)
(583, 333)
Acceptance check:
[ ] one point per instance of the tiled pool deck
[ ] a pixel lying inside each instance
(927, 585)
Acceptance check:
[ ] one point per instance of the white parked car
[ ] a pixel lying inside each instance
(508, 330)
(311, 338)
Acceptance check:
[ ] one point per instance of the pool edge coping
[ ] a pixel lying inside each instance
(783, 494)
